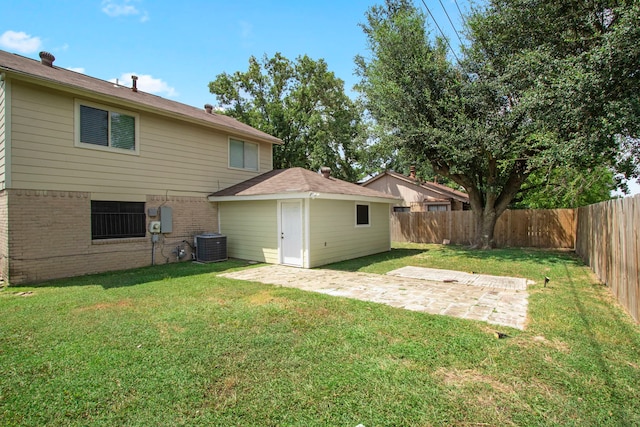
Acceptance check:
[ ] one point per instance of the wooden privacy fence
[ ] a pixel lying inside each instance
(539, 228)
(608, 240)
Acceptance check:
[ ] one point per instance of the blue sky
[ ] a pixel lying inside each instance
(178, 47)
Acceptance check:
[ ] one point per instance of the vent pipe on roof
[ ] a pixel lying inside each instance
(325, 171)
(208, 108)
(135, 83)
(47, 59)
(412, 172)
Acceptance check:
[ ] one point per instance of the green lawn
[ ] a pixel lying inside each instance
(178, 345)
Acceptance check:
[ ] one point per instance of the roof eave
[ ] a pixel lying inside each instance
(79, 91)
(304, 195)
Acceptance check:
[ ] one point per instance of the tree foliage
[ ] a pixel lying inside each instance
(565, 188)
(303, 104)
(530, 95)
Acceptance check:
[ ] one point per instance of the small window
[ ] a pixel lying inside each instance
(437, 208)
(117, 220)
(243, 155)
(105, 128)
(362, 214)
(401, 209)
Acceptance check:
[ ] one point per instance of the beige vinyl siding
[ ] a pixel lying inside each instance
(3, 112)
(335, 237)
(251, 229)
(174, 156)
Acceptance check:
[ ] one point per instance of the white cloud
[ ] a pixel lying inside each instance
(246, 29)
(147, 83)
(20, 42)
(77, 69)
(115, 8)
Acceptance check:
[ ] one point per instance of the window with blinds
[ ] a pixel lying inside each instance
(243, 155)
(106, 128)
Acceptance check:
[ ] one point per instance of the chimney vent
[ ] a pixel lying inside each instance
(325, 171)
(47, 59)
(135, 83)
(412, 172)
(208, 108)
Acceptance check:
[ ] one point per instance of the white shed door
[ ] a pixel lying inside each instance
(291, 233)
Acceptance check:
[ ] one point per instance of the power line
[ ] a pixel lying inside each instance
(464, 20)
(441, 32)
(451, 22)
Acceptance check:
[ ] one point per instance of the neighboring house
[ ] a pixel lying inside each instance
(95, 176)
(418, 196)
(86, 165)
(319, 219)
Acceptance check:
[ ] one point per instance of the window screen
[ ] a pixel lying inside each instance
(243, 155)
(107, 128)
(362, 214)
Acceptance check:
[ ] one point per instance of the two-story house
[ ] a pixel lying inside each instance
(95, 176)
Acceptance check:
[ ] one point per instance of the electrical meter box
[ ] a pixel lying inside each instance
(166, 219)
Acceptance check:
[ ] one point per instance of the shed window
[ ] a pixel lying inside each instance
(243, 155)
(437, 208)
(362, 214)
(106, 128)
(116, 220)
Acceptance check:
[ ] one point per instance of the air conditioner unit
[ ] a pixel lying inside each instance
(211, 247)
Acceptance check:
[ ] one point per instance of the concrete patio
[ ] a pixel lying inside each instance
(492, 299)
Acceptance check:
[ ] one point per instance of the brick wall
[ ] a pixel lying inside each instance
(50, 235)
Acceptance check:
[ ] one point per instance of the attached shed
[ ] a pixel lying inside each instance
(302, 218)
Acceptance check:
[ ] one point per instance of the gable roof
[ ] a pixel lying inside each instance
(22, 68)
(446, 192)
(298, 183)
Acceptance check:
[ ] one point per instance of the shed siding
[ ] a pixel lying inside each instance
(174, 156)
(334, 236)
(3, 112)
(251, 229)
(4, 235)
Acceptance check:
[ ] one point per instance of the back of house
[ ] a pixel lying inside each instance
(96, 176)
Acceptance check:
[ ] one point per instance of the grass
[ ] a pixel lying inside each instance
(178, 345)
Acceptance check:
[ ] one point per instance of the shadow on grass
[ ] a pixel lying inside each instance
(139, 276)
(546, 256)
(503, 255)
(365, 261)
(604, 371)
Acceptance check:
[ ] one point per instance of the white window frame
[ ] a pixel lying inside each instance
(368, 205)
(257, 146)
(79, 143)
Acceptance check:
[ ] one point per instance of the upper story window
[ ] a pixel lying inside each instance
(362, 215)
(243, 155)
(106, 128)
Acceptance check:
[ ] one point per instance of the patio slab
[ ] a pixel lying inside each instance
(415, 290)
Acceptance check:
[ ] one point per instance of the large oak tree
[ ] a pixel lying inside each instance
(542, 84)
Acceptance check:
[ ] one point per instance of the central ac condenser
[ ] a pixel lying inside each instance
(211, 247)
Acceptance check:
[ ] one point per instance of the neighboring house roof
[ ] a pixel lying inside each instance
(446, 192)
(298, 183)
(24, 68)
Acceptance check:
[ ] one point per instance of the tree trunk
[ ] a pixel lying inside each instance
(485, 222)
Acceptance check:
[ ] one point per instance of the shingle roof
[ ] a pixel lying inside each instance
(17, 66)
(432, 186)
(297, 180)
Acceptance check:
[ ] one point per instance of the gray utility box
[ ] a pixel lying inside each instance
(211, 247)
